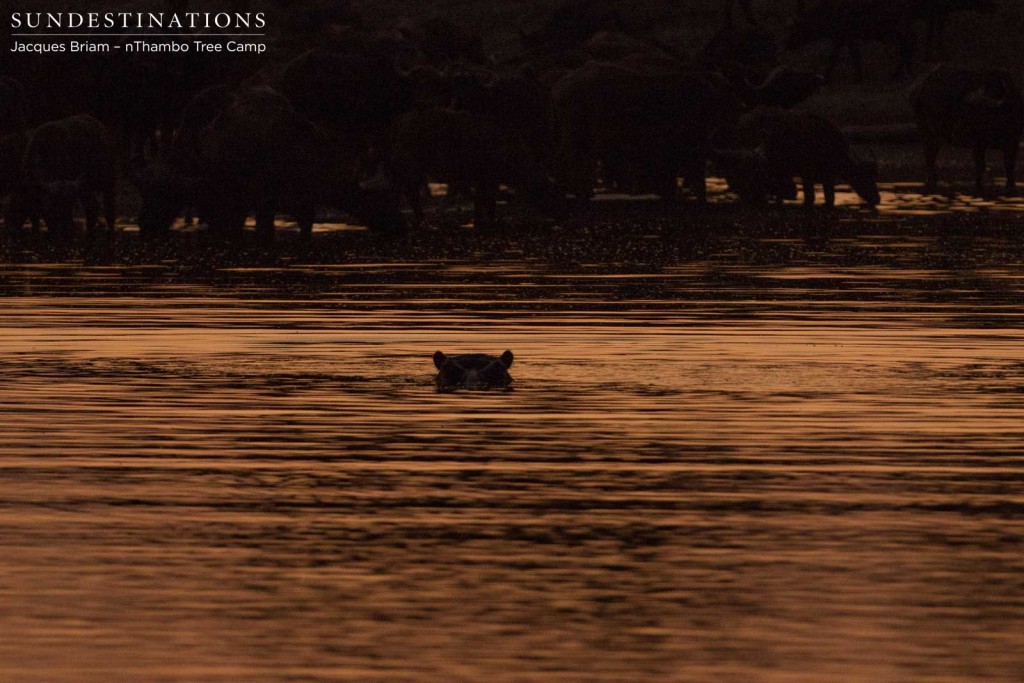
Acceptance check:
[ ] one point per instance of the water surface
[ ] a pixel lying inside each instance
(781, 456)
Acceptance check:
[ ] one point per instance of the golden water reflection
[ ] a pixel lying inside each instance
(802, 470)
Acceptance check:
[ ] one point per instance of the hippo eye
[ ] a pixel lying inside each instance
(453, 374)
(495, 372)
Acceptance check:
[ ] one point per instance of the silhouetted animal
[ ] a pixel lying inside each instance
(355, 96)
(301, 24)
(237, 153)
(472, 371)
(749, 49)
(744, 8)
(800, 144)
(13, 105)
(172, 181)
(13, 140)
(743, 161)
(848, 24)
(797, 144)
(936, 13)
(573, 22)
(977, 108)
(145, 98)
(442, 41)
(656, 124)
(261, 155)
(613, 46)
(787, 87)
(784, 86)
(500, 132)
(12, 150)
(67, 162)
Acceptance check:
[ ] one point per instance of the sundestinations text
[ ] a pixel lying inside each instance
(137, 20)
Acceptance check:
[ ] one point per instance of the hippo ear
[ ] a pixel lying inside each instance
(439, 359)
(506, 359)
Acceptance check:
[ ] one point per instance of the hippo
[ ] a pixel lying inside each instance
(473, 371)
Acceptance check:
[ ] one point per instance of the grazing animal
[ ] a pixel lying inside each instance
(848, 24)
(442, 41)
(744, 163)
(173, 180)
(357, 95)
(656, 124)
(252, 152)
(936, 13)
(748, 48)
(500, 132)
(68, 162)
(13, 105)
(572, 22)
(472, 371)
(747, 10)
(612, 46)
(802, 145)
(12, 146)
(775, 146)
(751, 177)
(979, 108)
(787, 87)
(261, 155)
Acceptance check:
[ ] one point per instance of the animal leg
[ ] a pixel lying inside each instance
(265, 222)
(91, 209)
(979, 170)
(1010, 165)
(748, 11)
(808, 193)
(699, 187)
(57, 224)
(110, 208)
(414, 196)
(858, 60)
(666, 186)
(936, 35)
(485, 205)
(306, 218)
(931, 157)
(17, 210)
(694, 176)
(227, 221)
(11, 220)
(833, 60)
(906, 47)
(829, 189)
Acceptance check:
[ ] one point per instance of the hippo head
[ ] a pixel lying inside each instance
(473, 371)
(863, 178)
